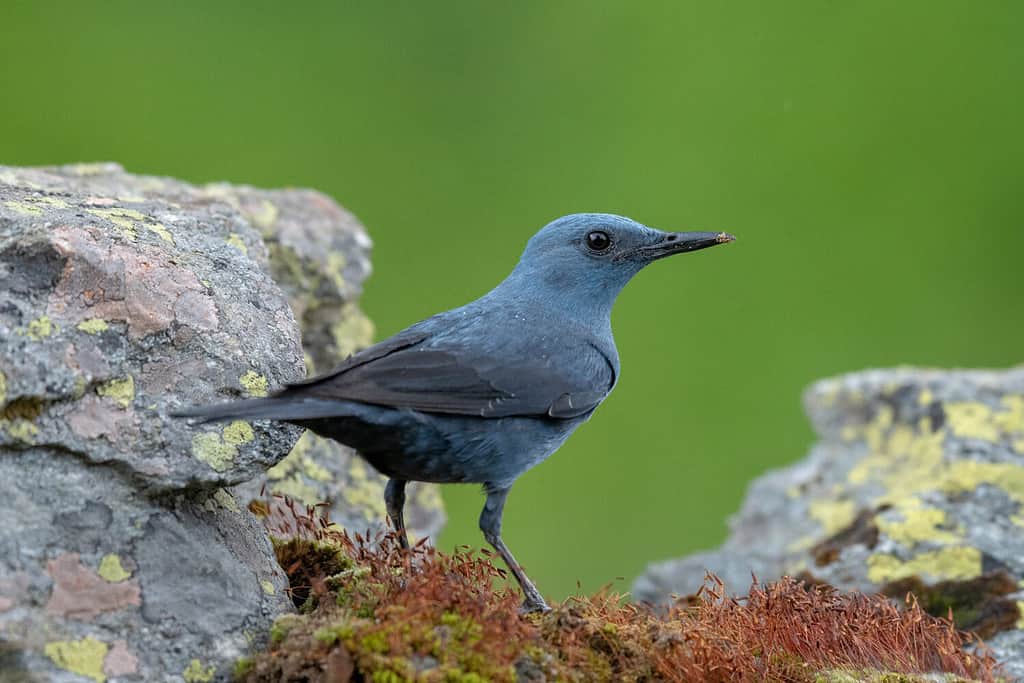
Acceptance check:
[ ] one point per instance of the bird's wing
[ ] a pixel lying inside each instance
(411, 370)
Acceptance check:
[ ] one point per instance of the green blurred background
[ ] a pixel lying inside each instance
(867, 154)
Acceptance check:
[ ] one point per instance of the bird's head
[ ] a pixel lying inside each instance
(589, 257)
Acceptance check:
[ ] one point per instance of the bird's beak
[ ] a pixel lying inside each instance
(679, 242)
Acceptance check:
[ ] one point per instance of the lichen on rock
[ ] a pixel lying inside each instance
(917, 480)
(123, 297)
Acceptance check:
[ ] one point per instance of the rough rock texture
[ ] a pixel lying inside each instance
(917, 481)
(124, 554)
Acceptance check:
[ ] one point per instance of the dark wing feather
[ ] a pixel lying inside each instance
(405, 372)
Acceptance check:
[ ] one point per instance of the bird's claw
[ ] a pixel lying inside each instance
(534, 606)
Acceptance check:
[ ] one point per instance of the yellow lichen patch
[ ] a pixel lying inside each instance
(801, 544)
(23, 208)
(288, 474)
(925, 397)
(254, 383)
(161, 230)
(1011, 418)
(93, 325)
(210, 448)
(315, 470)
(195, 672)
(352, 332)
(967, 475)
(905, 460)
(125, 219)
(265, 215)
(849, 433)
(833, 515)
(84, 657)
(238, 433)
(3, 388)
(111, 570)
(336, 268)
(428, 496)
(122, 391)
(919, 524)
(55, 202)
(267, 587)
(38, 329)
(20, 429)
(971, 419)
(219, 450)
(297, 489)
(952, 562)
(1020, 609)
(363, 492)
(235, 240)
(224, 498)
(87, 169)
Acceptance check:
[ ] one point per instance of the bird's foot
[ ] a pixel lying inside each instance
(534, 605)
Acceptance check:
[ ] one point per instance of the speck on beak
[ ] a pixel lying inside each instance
(679, 242)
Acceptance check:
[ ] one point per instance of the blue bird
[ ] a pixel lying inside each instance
(484, 392)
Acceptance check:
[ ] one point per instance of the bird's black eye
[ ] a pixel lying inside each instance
(598, 240)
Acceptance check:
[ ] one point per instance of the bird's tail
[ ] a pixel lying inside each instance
(272, 408)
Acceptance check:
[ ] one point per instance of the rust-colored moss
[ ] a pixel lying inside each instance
(385, 614)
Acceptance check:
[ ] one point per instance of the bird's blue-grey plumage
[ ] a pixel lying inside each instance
(483, 392)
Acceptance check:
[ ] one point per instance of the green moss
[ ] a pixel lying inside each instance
(282, 626)
(242, 667)
(329, 635)
(195, 672)
(93, 326)
(254, 383)
(84, 657)
(122, 391)
(111, 570)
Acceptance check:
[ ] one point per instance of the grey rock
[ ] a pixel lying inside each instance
(917, 473)
(124, 554)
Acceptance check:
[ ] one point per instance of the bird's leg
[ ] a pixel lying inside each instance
(394, 501)
(490, 524)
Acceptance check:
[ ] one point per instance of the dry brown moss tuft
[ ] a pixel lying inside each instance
(386, 615)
